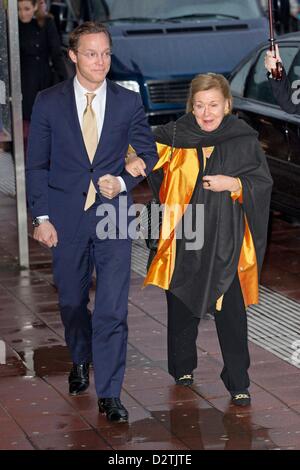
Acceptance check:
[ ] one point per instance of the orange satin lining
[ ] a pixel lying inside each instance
(247, 269)
(180, 176)
(177, 188)
(238, 195)
(247, 266)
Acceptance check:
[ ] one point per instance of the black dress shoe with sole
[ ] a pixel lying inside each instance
(241, 399)
(186, 380)
(79, 378)
(113, 409)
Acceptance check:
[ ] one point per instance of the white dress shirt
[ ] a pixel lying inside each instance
(98, 105)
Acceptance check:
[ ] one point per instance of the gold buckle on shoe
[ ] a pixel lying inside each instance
(240, 396)
(187, 376)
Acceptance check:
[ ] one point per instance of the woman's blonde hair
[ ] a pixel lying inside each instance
(206, 82)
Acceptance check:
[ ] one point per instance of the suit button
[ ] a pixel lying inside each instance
(92, 170)
(84, 194)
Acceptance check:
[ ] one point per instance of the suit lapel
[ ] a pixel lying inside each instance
(110, 109)
(71, 115)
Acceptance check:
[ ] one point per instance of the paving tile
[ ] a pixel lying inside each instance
(295, 407)
(146, 378)
(279, 418)
(163, 395)
(260, 355)
(141, 435)
(276, 367)
(289, 436)
(71, 440)
(280, 280)
(171, 444)
(37, 412)
(15, 443)
(289, 394)
(13, 365)
(37, 423)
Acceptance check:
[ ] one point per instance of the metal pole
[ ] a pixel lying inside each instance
(17, 130)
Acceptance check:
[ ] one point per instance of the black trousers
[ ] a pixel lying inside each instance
(231, 324)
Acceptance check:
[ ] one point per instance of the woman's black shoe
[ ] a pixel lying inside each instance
(241, 399)
(79, 378)
(186, 380)
(113, 409)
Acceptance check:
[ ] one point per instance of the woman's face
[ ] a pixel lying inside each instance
(26, 11)
(42, 6)
(209, 108)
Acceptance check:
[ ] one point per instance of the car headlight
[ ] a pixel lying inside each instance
(129, 84)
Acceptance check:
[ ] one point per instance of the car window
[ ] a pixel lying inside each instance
(238, 82)
(293, 70)
(258, 87)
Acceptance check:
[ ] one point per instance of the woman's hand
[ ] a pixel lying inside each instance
(135, 166)
(218, 183)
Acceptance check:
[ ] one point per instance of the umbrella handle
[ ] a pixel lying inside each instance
(277, 72)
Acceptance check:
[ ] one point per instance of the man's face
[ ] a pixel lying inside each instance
(92, 59)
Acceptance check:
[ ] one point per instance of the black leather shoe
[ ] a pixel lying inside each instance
(79, 378)
(241, 399)
(186, 380)
(113, 409)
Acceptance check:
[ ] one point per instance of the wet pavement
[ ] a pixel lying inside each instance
(36, 411)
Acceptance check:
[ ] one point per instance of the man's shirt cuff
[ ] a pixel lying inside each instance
(123, 185)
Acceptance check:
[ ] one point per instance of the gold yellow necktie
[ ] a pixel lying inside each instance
(90, 137)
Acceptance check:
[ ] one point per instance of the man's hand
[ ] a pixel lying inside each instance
(218, 183)
(109, 186)
(46, 234)
(270, 61)
(135, 165)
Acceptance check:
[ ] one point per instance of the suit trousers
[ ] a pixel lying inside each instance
(100, 337)
(231, 324)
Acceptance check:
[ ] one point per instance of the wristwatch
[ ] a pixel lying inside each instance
(37, 221)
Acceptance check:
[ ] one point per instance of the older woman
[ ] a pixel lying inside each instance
(217, 162)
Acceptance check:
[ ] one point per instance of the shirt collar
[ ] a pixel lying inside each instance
(81, 91)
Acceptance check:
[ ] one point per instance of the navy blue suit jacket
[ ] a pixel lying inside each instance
(58, 170)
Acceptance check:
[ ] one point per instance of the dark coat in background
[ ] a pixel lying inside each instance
(283, 92)
(39, 49)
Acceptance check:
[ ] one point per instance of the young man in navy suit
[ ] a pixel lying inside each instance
(79, 136)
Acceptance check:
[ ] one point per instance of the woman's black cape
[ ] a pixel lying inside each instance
(201, 276)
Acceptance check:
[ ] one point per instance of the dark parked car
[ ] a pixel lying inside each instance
(279, 132)
(160, 45)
